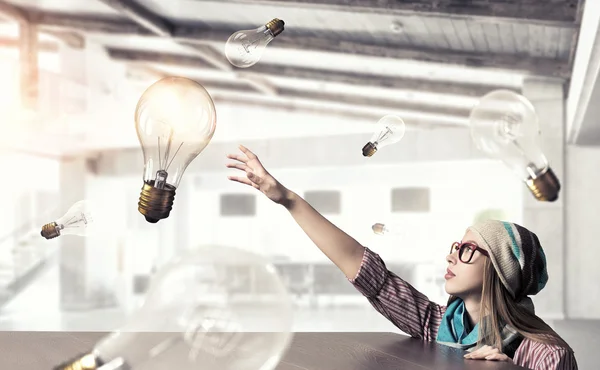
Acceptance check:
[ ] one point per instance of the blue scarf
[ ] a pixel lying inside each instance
(454, 328)
(454, 331)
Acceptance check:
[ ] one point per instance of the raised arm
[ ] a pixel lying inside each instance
(345, 252)
(398, 301)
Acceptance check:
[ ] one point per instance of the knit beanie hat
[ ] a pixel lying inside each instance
(516, 254)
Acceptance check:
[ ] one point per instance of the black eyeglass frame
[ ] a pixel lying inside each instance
(461, 247)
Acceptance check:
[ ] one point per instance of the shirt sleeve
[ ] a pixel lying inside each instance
(407, 308)
(560, 359)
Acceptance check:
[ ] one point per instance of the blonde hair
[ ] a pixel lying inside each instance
(499, 308)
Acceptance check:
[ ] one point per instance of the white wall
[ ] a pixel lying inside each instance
(458, 191)
(582, 225)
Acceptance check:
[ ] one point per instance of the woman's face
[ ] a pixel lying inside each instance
(465, 279)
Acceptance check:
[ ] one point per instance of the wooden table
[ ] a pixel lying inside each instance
(310, 351)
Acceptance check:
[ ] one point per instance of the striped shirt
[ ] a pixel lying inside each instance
(413, 313)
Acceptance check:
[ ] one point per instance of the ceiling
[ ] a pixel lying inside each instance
(425, 58)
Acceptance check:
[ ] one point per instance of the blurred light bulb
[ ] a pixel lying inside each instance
(195, 316)
(175, 119)
(505, 126)
(382, 229)
(390, 130)
(245, 48)
(79, 220)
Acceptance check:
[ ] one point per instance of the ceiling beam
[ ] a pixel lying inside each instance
(337, 98)
(142, 16)
(548, 11)
(198, 34)
(372, 80)
(72, 39)
(525, 64)
(12, 12)
(156, 25)
(163, 28)
(88, 23)
(43, 46)
(23, 16)
(266, 70)
(416, 119)
(330, 103)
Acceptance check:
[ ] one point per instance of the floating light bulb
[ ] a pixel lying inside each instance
(79, 220)
(175, 119)
(390, 129)
(245, 48)
(505, 126)
(195, 316)
(382, 229)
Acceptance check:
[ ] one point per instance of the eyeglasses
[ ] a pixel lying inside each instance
(466, 251)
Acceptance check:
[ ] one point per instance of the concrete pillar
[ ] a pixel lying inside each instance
(28, 61)
(546, 219)
(181, 215)
(72, 249)
(89, 265)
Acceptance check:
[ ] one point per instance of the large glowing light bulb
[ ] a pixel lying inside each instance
(505, 126)
(244, 48)
(389, 130)
(79, 220)
(212, 309)
(175, 119)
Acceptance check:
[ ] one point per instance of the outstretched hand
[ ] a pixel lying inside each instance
(488, 353)
(256, 175)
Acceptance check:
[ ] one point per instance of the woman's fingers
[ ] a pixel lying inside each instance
(486, 352)
(242, 180)
(480, 352)
(498, 357)
(239, 166)
(248, 152)
(237, 157)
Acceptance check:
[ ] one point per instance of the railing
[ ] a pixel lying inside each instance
(28, 260)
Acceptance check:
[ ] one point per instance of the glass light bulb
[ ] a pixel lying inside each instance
(382, 229)
(505, 126)
(214, 308)
(175, 119)
(389, 130)
(244, 48)
(79, 220)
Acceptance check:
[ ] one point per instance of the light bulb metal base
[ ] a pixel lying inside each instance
(50, 230)
(545, 187)
(369, 149)
(275, 26)
(156, 204)
(82, 362)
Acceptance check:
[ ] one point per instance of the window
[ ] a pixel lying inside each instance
(325, 201)
(410, 200)
(141, 283)
(238, 205)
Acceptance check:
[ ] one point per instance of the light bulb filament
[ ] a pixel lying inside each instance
(247, 45)
(161, 161)
(177, 151)
(507, 126)
(384, 134)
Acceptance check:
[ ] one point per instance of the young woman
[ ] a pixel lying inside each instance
(490, 275)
